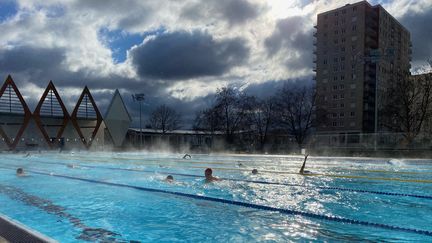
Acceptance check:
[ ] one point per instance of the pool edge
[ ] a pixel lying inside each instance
(25, 232)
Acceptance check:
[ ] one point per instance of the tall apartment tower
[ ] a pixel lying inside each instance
(359, 50)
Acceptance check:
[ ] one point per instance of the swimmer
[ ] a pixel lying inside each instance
(209, 176)
(239, 164)
(169, 179)
(393, 162)
(302, 171)
(72, 166)
(187, 156)
(254, 171)
(20, 172)
(27, 155)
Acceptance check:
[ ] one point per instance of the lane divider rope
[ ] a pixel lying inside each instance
(257, 182)
(249, 205)
(285, 162)
(318, 174)
(269, 171)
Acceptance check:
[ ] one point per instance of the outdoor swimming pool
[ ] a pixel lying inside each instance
(122, 197)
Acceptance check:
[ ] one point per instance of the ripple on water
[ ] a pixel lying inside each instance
(147, 216)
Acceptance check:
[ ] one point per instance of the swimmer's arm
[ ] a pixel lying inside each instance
(304, 165)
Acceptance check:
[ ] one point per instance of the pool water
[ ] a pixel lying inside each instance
(94, 202)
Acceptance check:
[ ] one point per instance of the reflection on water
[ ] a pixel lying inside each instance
(152, 217)
(87, 234)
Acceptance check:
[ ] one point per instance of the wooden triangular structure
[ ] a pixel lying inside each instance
(48, 108)
(11, 102)
(81, 112)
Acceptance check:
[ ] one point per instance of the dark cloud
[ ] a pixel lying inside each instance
(238, 11)
(233, 11)
(30, 58)
(39, 65)
(292, 35)
(183, 55)
(419, 25)
(271, 87)
(131, 21)
(264, 90)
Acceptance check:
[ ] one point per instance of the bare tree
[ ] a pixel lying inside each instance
(262, 117)
(165, 118)
(295, 111)
(207, 120)
(408, 105)
(232, 107)
(227, 115)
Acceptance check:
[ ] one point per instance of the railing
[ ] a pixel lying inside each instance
(372, 141)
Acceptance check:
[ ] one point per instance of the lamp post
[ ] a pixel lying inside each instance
(375, 56)
(139, 98)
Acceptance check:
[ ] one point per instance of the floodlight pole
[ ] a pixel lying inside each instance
(376, 58)
(140, 126)
(139, 98)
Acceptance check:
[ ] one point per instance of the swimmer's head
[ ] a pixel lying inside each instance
(254, 171)
(169, 178)
(20, 171)
(208, 173)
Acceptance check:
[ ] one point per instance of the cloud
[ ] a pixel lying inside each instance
(292, 41)
(270, 88)
(191, 47)
(234, 12)
(139, 13)
(29, 59)
(185, 55)
(34, 64)
(32, 68)
(264, 90)
(418, 23)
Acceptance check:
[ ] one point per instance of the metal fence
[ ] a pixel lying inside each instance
(370, 141)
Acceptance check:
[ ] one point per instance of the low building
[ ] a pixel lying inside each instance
(177, 140)
(200, 141)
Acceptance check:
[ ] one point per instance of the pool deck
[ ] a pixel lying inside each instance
(13, 231)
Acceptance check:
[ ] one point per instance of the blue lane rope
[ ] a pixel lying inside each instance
(249, 205)
(257, 182)
(183, 161)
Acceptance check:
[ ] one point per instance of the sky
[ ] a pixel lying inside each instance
(175, 52)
